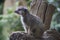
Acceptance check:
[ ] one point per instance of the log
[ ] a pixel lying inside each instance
(47, 35)
(21, 36)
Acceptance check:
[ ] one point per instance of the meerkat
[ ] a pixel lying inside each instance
(31, 23)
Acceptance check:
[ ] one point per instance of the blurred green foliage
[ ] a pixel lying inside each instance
(28, 2)
(9, 23)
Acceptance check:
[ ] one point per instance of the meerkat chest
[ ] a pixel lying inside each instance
(25, 20)
(22, 21)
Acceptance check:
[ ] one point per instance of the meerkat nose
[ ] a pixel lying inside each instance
(16, 11)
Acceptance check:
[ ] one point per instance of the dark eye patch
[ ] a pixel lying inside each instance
(22, 9)
(19, 9)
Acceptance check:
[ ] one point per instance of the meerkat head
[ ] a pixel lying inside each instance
(21, 10)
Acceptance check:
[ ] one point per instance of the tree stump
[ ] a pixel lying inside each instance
(44, 10)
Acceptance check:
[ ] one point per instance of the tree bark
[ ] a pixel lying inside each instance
(44, 10)
(48, 15)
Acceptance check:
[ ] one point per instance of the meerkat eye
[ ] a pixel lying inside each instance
(19, 9)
